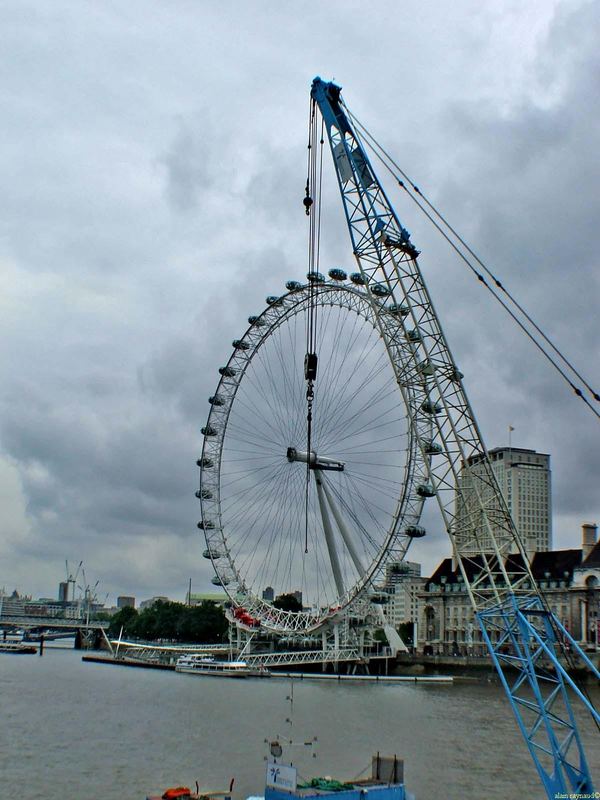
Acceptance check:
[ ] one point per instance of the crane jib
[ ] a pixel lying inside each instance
(352, 163)
(327, 95)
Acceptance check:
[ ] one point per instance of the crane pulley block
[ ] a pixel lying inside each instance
(310, 366)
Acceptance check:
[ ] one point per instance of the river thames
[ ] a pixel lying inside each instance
(80, 730)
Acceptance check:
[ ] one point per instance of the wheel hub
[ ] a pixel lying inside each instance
(313, 460)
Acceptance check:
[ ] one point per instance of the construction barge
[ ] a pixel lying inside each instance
(282, 783)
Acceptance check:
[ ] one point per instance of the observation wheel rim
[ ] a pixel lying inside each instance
(285, 307)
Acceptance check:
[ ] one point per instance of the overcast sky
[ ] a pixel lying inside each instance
(153, 164)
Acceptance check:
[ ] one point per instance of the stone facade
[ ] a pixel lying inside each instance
(403, 601)
(403, 582)
(569, 579)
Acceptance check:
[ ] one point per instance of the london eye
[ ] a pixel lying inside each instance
(318, 518)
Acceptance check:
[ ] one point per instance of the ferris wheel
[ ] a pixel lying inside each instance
(320, 519)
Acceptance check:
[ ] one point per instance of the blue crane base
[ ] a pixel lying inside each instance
(525, 639)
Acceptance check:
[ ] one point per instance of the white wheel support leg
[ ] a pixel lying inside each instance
(344, 531)
(327, 529)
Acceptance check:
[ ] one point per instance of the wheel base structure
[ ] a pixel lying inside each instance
(523, 638)
(349, 636)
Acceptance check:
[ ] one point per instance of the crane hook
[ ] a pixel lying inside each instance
(307, 200)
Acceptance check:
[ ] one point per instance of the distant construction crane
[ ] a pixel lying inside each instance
(72, 580)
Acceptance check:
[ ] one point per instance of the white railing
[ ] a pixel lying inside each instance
(303, 657)
(160, 652)
(184, 648)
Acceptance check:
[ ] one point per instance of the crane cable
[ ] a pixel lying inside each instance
(402, 181)
(312, 206)
(443, 226)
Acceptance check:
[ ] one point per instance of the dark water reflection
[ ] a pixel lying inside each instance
(75, 730)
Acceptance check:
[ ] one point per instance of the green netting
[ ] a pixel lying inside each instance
(326, 785)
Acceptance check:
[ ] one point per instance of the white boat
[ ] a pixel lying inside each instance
(208, 665)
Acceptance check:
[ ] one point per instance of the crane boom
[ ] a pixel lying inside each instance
(385, 254)
(523, 636)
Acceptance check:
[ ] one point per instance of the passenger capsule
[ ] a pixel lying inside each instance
(257, 321)
(409, 249)
(398, 310)
(218, 581)
(426, 367)
(240, 344)
(293, 286)
(205, 462)
(315, 277)
(425, 490)
(415, 531)
(212, 553)
(380, 290)
(227, 372)
(414, 335)
(204, 494)
(379, 598)
(337, 274)
(206, 525)
(208, 430)
(429, 407)
(432, 448)
(216, 400)
(357, 278)
(456, 375)
(273, 300)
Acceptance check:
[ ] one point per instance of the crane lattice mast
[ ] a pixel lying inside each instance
(523, 636)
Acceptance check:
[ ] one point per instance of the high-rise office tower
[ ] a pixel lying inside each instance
(524, 479)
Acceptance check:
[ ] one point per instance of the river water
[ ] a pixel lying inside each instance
(74, 730)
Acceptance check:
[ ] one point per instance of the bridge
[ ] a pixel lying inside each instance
(50, 623)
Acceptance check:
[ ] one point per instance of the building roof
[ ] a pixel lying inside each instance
(593, 560)
(217, 597)
(556, 562)
(513, 451)
(551, 564)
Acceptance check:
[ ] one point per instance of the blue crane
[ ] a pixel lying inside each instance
(527, 643)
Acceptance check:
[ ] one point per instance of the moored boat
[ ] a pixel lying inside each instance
(194, 664)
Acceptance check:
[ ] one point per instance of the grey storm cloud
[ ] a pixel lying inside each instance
(187, 163)
(154, 167)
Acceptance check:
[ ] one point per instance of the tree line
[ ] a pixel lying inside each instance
(174, 622)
